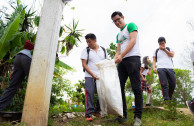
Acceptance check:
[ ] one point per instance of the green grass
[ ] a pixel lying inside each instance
(150, 117)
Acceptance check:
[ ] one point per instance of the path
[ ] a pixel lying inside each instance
(185, 111)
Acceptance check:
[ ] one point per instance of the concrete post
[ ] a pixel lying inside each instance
(36, 105)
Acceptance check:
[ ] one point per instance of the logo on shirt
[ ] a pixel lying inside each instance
(122, 39)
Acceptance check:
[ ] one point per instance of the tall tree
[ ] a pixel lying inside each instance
(184, 85)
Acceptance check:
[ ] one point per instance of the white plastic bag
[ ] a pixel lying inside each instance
(108, 88)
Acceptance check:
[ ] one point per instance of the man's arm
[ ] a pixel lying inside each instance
(154, 64)
(85, 66)
(132, 37)
(169, 53)
(118, 51)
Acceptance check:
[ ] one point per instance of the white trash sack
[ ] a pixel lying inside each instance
(108, 88)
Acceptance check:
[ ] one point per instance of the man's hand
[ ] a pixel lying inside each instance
(161, 47)
(95, 76)
(118, 59)
(154, 69)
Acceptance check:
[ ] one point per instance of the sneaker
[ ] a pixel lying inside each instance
(120, 119)
(190, 106)
(89, 119)
(137, 122)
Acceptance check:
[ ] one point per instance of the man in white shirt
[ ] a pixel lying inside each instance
(128, 59)
(163, 56)
(90, 56)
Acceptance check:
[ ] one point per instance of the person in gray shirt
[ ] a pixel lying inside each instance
(21, 70)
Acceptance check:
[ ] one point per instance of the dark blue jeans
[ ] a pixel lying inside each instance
(167, 76)
(130, 67)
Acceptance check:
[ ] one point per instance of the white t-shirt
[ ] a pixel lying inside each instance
(94, 57)
(145, 71)
(123, 40)
(163, 60)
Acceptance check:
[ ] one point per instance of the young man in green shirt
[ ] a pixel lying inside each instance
(128, 59)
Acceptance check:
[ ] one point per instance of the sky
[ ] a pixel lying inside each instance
(154, 18)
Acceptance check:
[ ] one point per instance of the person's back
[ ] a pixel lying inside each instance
(21, 69)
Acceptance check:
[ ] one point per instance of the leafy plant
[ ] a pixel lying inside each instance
(112, 50)
(71, 39)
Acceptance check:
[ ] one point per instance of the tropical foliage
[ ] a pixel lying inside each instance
(72, 38)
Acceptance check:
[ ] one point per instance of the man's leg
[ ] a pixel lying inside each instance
(97, 105)
(15, 82)
(89, 95)
(163, 81)
(123, 77)
(172, 81)
(136, 87)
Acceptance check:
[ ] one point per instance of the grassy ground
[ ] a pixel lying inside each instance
(150, 117)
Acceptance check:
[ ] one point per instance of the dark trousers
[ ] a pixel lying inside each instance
(21, 69)
(130, 67)
(90, 88)
(167, 76)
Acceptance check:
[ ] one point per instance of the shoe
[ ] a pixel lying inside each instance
(120, 119)
(190, 105)
(137, 122)
(89, 119)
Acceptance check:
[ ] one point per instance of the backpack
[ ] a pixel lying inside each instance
(158, 50)
(88, 50)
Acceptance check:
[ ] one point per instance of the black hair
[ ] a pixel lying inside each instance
(116, 13)
(90, 36)
(145, 62)
(161, 39)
